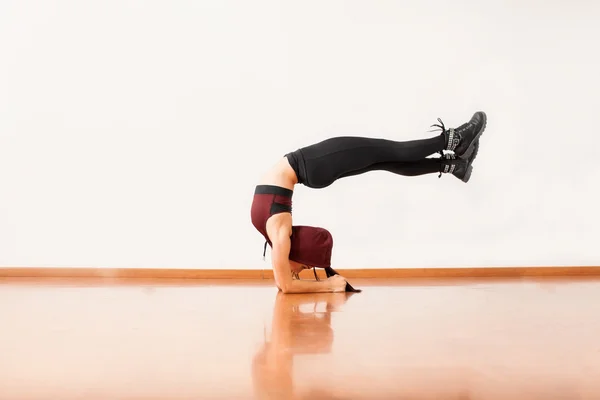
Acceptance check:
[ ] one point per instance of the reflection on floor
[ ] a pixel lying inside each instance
(513, 339)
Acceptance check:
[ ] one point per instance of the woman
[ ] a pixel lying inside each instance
(295, 248)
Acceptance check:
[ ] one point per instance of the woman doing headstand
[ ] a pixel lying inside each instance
(295, 248)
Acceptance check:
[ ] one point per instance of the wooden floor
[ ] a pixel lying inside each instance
(456, 339)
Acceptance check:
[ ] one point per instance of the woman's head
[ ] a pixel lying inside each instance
(297, 267)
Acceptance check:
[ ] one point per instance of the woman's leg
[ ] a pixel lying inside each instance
(421, 167)
(447, 164)
(331, 159)
(322, 163)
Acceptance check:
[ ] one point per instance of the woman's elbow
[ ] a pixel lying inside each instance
(285, 287)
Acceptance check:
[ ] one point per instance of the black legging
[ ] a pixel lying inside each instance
(321, 164)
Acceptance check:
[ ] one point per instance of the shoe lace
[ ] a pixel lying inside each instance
(440, 125)
(442, 129)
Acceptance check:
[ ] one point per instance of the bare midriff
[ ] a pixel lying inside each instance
(281, 174)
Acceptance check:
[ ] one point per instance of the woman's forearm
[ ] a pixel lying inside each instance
(308, 286)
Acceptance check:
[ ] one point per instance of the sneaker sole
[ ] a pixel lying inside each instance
(467, 176)
(469, 170)
(467, 154)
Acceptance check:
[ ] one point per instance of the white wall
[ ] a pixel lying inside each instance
(132, 133)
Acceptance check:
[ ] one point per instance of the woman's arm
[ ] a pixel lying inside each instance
(279, 234)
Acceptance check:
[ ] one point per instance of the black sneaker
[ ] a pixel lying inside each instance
(461, 169)
(462, 140)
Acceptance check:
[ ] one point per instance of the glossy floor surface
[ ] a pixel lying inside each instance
(515, 339)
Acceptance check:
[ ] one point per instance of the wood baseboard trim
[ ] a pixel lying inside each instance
(375, 273)
(481, 272)
(131, 273)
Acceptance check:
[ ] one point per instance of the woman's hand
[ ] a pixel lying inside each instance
(337, 283)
